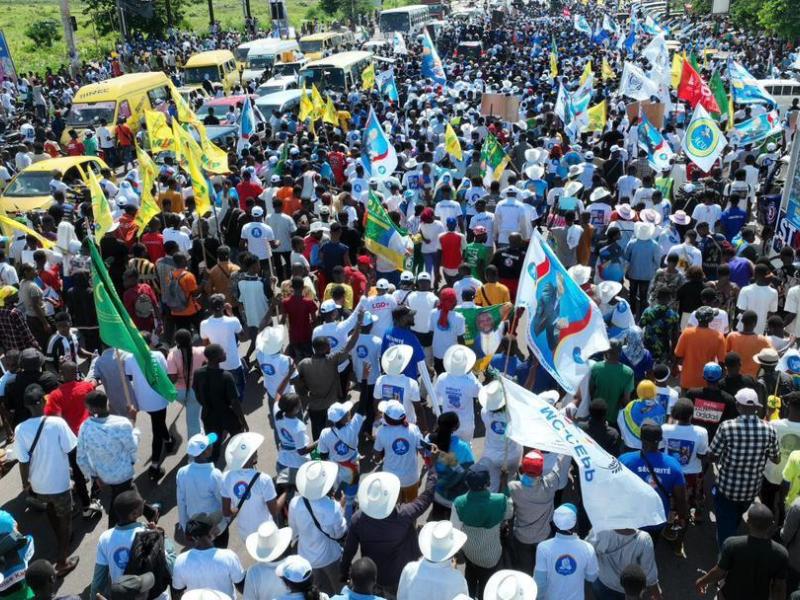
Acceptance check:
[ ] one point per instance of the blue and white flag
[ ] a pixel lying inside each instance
(745, 88)
(658, 150)
(247, 125)
(756, 129)
(635, 84)
(651, 27)
(431, 63)
(610, 25)
(398, 43)
(564, 326)
(600, 35)
(379, 157)
(630, 41)
(703, 141)
(580, 23)
(387, 85)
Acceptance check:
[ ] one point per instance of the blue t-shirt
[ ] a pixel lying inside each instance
(667, 469)
(732, 221)
(396, 336)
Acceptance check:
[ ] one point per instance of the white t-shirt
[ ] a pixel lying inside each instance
(367, 351)
(444, 337)
(400, 445)
(496, 445)
(400, 388)
(49, 466)
(685, 443)
(509, 217)
(382, 307)
(788, 433)
(274, 367)
(214, 569)
(705, 213)
(423, 303)
(254, 510)
(719, 322)
(447, 208)
(114, 549)
(792, 305)
(568, 562)
(484, 219)
(457, 393)
(258, 236)
(261, 582)
(223, 330)
(763, 299)
(292, 436)
(341, 445)
(179, 237)
(147, 398)
(431, 233)
(467, 283)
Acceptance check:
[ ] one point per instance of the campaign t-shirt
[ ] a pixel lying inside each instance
(685, 443)
(457, 393)
(274, 367)
(114, 549)
(667, 469)
(254, 509)
(211, 568)
(258, 236)
(447, 336)
(400, 445)
(223, 331)
(341, 443)
(568, 562)
(367, 352)
(496, 446)
(400, 388)
(396, 336)
(292, 436)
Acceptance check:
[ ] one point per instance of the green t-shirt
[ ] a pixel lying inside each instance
(610, 381)
(476, 255)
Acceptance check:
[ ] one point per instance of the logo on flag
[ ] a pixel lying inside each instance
(380, 154)
(703, 141)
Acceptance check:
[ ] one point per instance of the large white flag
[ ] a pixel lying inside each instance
(703, 141)
(635, 84)
(660, 65)
(614, 497)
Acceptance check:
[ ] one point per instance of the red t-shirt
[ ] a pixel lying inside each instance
(67, 402)
(451, 249)
(338, 162)
(301, 313)
(129, 300)
(358, 281)
(247, 189)
(75, 148)
(154, 242)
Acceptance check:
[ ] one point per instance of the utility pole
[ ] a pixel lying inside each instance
(123, 26)
(211, 12)
(69, 37)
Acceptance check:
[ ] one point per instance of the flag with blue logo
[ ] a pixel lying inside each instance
(247, 125)
(580, 23)
(564, 327)
(379, 154)
(755, 129)
(703, 141)
(387, 85)
(746, 88)
(431, 63)
(658, 150)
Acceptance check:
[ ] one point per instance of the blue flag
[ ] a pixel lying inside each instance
(387, 85)
(247, 125)
(755, 129)
(431, 63)
(745, 88)
(658, 150)
(379, 154)
(600, 35)
(630, 41)
(581, 24)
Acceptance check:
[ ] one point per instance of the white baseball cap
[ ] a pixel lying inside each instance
(338, 410)
(198, 443)
(257, 211)
(328, 307)
(382, 284)
(392, 409)
(294, 568)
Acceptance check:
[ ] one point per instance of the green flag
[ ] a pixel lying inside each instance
(693, 61)
(281, 166)
(118, 331)
(493, 159)
(717, 88)
(382, 236)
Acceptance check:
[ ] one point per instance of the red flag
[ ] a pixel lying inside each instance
(693, 89)
(566, 12)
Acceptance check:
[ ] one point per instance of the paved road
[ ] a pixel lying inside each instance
(677, 574)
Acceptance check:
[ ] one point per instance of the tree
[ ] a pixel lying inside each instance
(744, 13)
(44, 32)
(781, 17)
(164, 12)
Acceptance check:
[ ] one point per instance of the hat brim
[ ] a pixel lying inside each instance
(766, 363)
(391, 368)
(284, 536)
(454, 369)
(330, 471)
(252, 439)
(383, 507)
(526, 586)
(491, 401)
(439, 555)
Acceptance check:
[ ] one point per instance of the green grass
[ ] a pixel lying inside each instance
(16, 14)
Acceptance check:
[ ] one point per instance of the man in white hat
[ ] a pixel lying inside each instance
(381, 305)
(276, 367)
(317, 521)
(199, 484)
(599, 208)
(565, 562)
(510, 585)
(267, 547)
(434, 577)
(499, 451)
(509, 217)
(643, 255)
(393, 385)
(457, 388)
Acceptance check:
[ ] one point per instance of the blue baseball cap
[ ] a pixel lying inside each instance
(712, 372)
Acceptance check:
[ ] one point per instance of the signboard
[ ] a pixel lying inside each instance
(7, 68)
(720, 7)
(653, 110)
(500, 106)
(788, 229)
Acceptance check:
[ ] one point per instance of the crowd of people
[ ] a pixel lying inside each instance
(394, 476)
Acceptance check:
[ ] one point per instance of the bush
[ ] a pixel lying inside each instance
(44, 32)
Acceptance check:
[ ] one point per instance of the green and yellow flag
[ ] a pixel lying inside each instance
(587, 72)
(100, 208)
(192, 155)
(382, 236)
(118, 331)
(148, 172)
(451, 144)
(553, 57)
(158, 131)
(8, 223)
(493, 159)
(368, 77)
(606, 72)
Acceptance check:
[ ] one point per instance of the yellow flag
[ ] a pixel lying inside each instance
(553, 57)
(368, 77)
(677, 69)
(330, 115)
(606, 72)
(317, 102)
(185, 112)
(306, 106)
(8, 222)
(100, 209)
(148, 171)
(597, 117)
(587, 72)
(158, 131)
(451, 144)
(192, 154)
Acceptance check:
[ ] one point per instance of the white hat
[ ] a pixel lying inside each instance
(424, 276)
(411, 163)
(270, 340)
(588, 155)
(396, 358)
(407, 276)
(572, 188)
(275, 179)
(575, 170)
(368, 318)
(198, 443)
(338, 410)
(294, 568)
(580, 274)
(205, 594)
(565, 517)
(257, 211)
(534, 172)
(614, 148)
(318, 226)
(458, 360)
(268, 542)
(771, 147)
(510, 585)
(439, 541)
(747, 397)
(532, 155)
(382, 284)
(599, 194)
(328, 307)
(240, 448)
(679, 217)
(392, 409)
(315, 478)
(378, 493)
(606, 290)
(650, 215)
(625, 211)
(491, 396)
(644, 231)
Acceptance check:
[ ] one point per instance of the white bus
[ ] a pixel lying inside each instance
(783, 90)
(340, 72)
(263, 56)
(408, 19)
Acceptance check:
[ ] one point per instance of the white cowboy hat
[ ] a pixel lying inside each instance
(580, 274)
(315, 478)
(240, 448)
(599, 194)
(644, 231)
(575, 170)
(268, 542)
(532, 155)
(534, 172)
(491, 396)
(270, 341)
(510, 585)
(458, 360)
(606, 290)
(680, 218)
(650, 215)
(439, 541)
(572, 188)
(625, 211)
(378, 493)
(396, 359)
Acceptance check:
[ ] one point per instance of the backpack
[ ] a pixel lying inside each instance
(174, 296)
(148, 555)
(143, 306)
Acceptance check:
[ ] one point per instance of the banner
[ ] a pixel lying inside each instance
(635, 84)
(658, 150)
(614, 497)
(746, 88)
(7, 68)
(431, 63)
(565, 327)
(380, 154)
(788, 229)
(755, 129)
(703, 141)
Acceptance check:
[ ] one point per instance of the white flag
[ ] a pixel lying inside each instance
(635, 84)
(703, 141)
(658, 55)
(614, 497)
(398, 43)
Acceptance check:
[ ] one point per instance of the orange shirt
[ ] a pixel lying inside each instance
(747, 346)
(697, 346)
(188, 284)
(175, 198)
